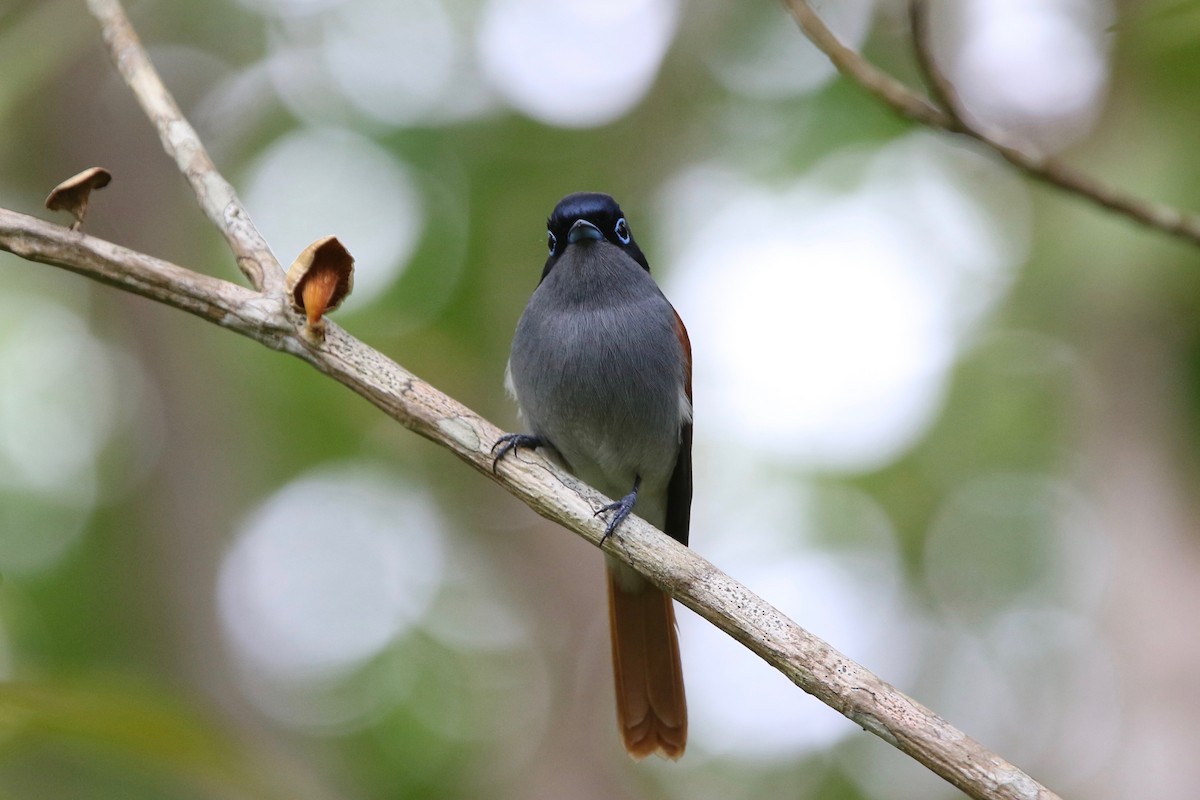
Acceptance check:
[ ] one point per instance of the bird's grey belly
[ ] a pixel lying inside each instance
(604, 388)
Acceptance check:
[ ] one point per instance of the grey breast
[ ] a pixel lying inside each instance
(597, 367)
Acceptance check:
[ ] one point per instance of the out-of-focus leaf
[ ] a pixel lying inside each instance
(1167, 13)
(27, 61)
(123, 724)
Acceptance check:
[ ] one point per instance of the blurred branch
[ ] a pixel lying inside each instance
(945, 114)
(263, 315)
(944, 93)
(891, 91)
(215, 195)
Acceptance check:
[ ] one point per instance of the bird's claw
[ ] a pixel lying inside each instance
(622, 508)
(511, 441)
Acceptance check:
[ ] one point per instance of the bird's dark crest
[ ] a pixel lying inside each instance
(599, 209)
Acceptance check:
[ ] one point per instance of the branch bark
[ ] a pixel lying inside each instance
(215, 194)
(263, 315)
(914, 106)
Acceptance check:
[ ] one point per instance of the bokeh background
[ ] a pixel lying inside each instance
(947, 419)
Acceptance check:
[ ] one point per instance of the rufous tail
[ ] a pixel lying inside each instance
(651, 709)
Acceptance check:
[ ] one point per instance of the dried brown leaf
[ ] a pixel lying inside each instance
(72, 194)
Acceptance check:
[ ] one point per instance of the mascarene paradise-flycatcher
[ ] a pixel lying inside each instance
(601, 368)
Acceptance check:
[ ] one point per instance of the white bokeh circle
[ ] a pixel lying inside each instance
(774, 60)
(1039, 68)
(320, 182)
(66, 397)
(853, 595)
(825, 317)
(574, 63)
(328, 571)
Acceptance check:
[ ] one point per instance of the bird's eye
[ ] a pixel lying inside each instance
(622, 231)
(551, 241)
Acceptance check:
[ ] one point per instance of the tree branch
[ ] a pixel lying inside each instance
(911, 104)
(215, 195)
(944, 94)
(263, 315)
(895, 94)
(806, 660)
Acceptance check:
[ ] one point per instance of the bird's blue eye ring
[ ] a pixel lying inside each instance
(551, 241)
(622, 231)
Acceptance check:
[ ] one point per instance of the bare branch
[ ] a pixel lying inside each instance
(806, 660)
(891, 91)
(215, 195)
(944, 93)
(913, 105)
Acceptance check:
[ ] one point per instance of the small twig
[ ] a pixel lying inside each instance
(914, 106)
(946, 96)
(215, 195)
(943, 92)
(863, 72)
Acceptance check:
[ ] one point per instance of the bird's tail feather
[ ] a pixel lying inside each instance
(651, 709)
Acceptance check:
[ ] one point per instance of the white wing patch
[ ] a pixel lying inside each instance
(509, 386)
(685, 408)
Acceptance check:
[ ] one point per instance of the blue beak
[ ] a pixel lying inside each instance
(582, 229)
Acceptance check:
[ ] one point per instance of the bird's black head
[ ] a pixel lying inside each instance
(585, 217)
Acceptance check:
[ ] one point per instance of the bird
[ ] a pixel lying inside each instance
(601, 371)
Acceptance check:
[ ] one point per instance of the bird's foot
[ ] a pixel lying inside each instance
(621, 509)
(511, 441)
